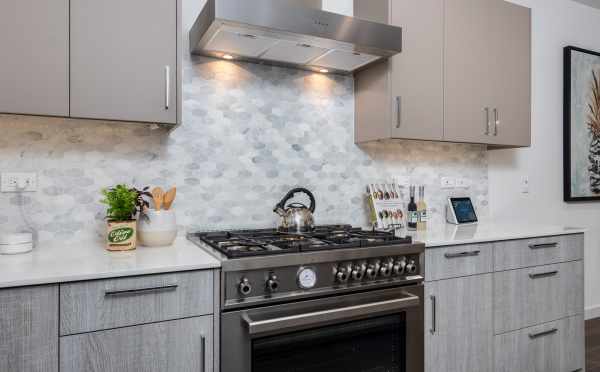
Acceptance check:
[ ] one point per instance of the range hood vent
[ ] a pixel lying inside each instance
(277, 32)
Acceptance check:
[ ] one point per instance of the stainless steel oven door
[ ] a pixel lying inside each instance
(369, 331)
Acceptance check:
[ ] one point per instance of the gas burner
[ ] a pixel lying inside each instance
(248, 243)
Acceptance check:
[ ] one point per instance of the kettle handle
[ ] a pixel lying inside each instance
(289, 195)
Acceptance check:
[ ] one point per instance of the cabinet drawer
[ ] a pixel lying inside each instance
(531, 296)
(178, 345)
(517, 254)
(552, 347)
(456, 261)
(101, 304)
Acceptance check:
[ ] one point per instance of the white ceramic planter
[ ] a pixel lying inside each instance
(157, 228)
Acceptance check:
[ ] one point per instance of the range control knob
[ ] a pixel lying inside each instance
(272, 283)
(386, 269)
(245, 287)
(399, 267)
(411, 267)
(358, 273)
(371, 272)
(342, 275)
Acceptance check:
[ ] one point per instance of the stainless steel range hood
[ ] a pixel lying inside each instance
(280, 32)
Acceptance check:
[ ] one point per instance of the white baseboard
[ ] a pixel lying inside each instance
(592, 312)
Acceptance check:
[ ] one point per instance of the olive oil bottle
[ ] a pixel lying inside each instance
(422, 210)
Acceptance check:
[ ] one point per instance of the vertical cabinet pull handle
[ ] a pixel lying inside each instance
(487, 121)
(433, 315)
(167, 86)
(398, 111)
(203, 357)
(496, 121)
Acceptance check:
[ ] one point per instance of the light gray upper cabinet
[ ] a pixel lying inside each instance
(403, 97)
(34, 39)
(124, 60)
(29, 329)
(459, 325)
(464, 74)
(487, 63)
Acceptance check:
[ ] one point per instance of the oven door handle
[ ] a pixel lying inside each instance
(328, 316)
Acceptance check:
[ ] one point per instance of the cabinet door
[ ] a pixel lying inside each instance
(179, 345)
(29, 329)
(511, 80)
(34, 38)
(123, 60)
(458, 325)
(469, 67)
(417, 73)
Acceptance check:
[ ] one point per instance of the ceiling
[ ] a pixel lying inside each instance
(594, 3)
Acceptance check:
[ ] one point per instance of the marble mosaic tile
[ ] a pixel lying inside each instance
(249, 134)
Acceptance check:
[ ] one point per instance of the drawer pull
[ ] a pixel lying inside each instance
(433, 329)
(543, 275)
(543, 246)
(549, 332)
(134, 292)
(203, 358)
(462, 254)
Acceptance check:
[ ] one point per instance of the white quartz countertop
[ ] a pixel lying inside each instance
(57, 263)
(438, 236)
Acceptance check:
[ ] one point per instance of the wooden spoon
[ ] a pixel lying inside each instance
(170, 198)
(158, 196)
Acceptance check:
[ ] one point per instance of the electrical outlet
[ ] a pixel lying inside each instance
(447, 182)
(463, 183)
(11, 182)
(525, 185)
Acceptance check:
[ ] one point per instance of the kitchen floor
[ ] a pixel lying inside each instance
(592, 345)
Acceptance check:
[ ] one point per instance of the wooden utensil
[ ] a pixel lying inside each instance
(170, 198)
(158, 195)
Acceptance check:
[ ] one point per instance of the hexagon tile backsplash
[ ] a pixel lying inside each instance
(249, 134)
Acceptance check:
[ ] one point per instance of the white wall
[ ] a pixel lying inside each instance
(556, 23)
(345, 7)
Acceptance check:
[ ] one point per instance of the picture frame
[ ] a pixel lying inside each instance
(581, 125)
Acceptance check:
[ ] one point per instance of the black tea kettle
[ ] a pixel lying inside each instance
(296, 217)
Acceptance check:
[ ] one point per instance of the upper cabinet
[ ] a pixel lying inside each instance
(464, 74)
(110, 59)
(34, 38)
(124, 60)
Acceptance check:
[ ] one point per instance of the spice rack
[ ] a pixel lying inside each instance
(386, 205)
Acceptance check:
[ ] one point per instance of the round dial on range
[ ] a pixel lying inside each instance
(307, 278)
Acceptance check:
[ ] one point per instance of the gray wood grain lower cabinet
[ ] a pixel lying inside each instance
(536, 295)
(102, 304)
(29, 329)
(124, 60)
(458, 325)
(34, 39)
(175, 346)
(551, 347)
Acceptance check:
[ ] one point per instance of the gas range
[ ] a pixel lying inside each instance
(266, 265)
(334, 295)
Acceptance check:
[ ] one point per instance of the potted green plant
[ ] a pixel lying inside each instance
(124, 205)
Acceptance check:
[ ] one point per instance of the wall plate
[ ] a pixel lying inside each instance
(10, 180)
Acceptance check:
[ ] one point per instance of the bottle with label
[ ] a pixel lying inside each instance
(412, 215)
(422, 210)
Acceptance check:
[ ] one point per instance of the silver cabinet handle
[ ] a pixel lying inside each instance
(543, 275)
(496, 121)
(542, 334)
(543, 246)
(167, 86)
(462, 254)
(433, 329)
(134, 292)
(487, 121)
(398, 111)
(203, 358)
(331, 315)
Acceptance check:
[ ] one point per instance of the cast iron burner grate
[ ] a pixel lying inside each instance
(249, 243)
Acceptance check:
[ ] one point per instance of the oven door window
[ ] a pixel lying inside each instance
(372, 345)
